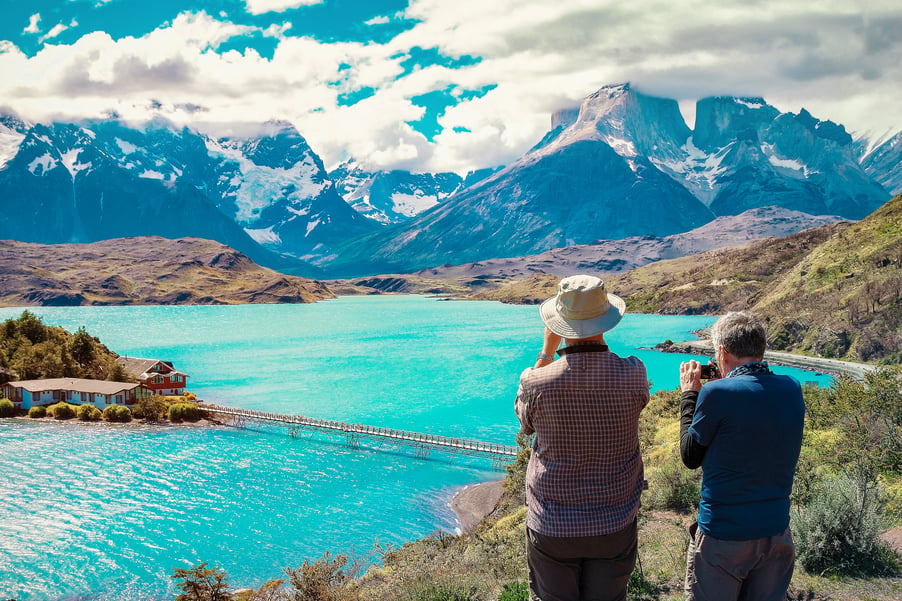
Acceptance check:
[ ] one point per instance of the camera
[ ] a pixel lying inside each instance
(710, 371)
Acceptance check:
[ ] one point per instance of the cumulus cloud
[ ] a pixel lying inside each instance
(33, 24)
(380, 20)
(258, 7)
(840, 61)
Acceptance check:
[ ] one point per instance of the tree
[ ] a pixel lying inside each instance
(81, 346)
(201, 583)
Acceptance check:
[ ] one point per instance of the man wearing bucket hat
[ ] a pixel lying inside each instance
(585, 474)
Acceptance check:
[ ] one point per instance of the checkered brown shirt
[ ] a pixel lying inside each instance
(585, 476)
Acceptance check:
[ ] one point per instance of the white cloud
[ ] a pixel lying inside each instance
(837, 60)
(56, 30)
(258, 7)
(33, 24)
(380, 20)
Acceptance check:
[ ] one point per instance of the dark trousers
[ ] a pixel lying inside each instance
(584, 568)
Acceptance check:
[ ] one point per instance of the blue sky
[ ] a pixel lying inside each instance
(439, 84)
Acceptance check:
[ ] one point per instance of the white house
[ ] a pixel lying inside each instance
(25, 394)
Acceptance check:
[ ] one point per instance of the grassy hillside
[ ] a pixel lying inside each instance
(144, 270)
(844, 299)
(832, 291)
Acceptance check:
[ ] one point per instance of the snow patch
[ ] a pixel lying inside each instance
(312, 226)
(264, 236)
(699, 170)
(148, 174)
(126, 147)
(45, 162)
(751, 105)
(411, 204)
(795, 167)
(70, 160)
(624, 148)
(10, 140)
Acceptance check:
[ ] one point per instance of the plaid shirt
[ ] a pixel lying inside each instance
(585, 475)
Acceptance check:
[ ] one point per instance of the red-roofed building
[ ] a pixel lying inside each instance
(160, 377)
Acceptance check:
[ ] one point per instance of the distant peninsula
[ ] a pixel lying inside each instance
(145, 270)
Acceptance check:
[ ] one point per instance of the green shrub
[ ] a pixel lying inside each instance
(672, 486)
(200, 583)
(639, 588)
(37, 411)
(117, 413)
(151, 408)
(839, 530)
(184, 411)
(61, 410)
(321, 580)
(88, 413)
(7, 408)
(515, 591)
(445, 592)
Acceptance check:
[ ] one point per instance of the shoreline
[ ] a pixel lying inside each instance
(835, 367)
(474, 502)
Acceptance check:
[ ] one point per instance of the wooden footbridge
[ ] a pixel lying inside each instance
(355, 434)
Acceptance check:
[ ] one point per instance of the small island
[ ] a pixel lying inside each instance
(74, 375)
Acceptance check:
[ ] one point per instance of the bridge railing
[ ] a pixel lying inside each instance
(494, 450)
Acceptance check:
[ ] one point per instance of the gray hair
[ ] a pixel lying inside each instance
(741, 333)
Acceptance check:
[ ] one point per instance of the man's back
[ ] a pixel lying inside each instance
(752, 427)
(585, 410)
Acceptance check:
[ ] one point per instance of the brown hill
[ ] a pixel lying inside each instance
(143, 270)
(833, 291)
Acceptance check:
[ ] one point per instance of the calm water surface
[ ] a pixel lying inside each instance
(110, 511)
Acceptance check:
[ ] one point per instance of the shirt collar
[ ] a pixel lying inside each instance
(583, 347)
(747, 369)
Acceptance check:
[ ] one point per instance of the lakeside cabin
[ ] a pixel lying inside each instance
(159, 377)
(26, 394)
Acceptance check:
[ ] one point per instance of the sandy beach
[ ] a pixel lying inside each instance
(473, 503)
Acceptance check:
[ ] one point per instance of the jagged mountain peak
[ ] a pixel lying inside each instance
(630, 122)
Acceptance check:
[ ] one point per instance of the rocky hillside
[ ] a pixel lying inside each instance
(513, 279)
(145, 270)
(833, 291)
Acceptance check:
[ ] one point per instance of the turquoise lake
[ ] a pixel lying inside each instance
(106, 512)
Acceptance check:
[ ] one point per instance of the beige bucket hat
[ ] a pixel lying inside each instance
(582, 308)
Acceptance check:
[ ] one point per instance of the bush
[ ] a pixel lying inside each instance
(37, 411)
(117, 413)
(151, 408)
(515, 591)
(184, 411)
(446, 592)
(7, 408)
(321, 580)
(61, 410)
(200, 583)
(672, 486)
(839, 530)
(88, 413)
(189, 396)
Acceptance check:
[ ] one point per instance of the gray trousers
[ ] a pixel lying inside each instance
(584, 568)
(733, 570)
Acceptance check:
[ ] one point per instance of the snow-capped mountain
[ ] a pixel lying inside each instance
(884, 164)
(392, 196)
(626, 164)
(100, 180)
(277, 188)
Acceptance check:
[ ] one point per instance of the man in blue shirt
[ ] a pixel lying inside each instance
(745, 431)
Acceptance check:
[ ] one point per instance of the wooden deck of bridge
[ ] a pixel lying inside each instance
(354, 433)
